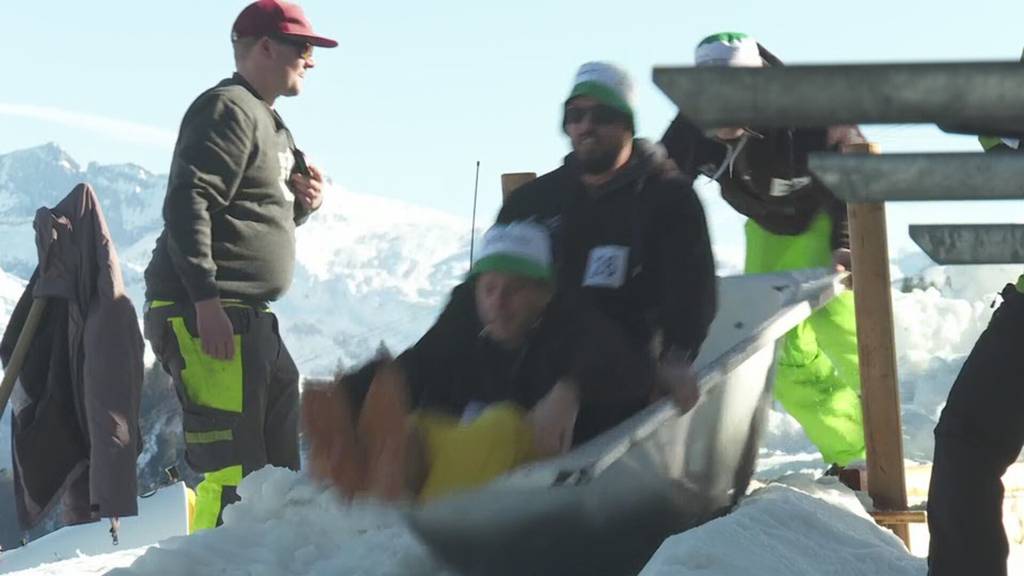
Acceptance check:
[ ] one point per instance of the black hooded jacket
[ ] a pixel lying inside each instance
(764, 175)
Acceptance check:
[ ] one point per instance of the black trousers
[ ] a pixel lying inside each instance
(979, 435)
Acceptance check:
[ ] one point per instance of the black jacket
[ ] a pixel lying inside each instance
(667, 289)
(768, 180)
(452, 367)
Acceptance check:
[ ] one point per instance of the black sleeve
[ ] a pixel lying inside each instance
(684, 143)
(300, 214)
(686, 270)
(840, 224)
(605, 368)
(430, 365)
(838, 138)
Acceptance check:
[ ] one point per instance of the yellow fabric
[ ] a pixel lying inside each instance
(209, 381)
(190, 497)
(770, 252)
(208, 496)
(461, 457)
(817, 379)
(209, 437)
(1020, 284)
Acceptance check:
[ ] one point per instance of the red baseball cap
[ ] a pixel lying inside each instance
(274, 18)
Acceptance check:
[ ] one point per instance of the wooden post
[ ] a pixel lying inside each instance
(880, 394)
(513, 180)
(21, 347)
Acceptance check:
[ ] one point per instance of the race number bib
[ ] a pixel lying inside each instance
(606, 267)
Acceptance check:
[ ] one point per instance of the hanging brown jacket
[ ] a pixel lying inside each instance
(75, 405)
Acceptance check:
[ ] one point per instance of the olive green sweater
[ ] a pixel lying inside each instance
(229, 217)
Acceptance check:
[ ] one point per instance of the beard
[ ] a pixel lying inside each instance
(598, 161)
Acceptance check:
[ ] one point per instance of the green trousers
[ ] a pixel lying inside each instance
(817, 379)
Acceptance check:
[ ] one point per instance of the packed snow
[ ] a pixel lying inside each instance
(794, 526)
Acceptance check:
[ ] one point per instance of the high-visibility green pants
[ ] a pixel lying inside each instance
(817, 379)
(240, 414)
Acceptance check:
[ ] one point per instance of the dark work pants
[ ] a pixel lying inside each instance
(979, 435)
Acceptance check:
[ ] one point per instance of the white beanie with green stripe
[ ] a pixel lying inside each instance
(519, 248)
(606, 83)
(732, 49)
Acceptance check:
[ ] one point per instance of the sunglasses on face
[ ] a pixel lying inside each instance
(305, 49)
(600, 114)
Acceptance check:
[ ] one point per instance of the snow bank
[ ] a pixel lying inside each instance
(796, 527)
(287, 525)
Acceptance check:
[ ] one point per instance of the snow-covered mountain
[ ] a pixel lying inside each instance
(369, 269)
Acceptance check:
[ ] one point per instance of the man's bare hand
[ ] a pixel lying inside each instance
(215, 329)
(842, 260)
(678, 379)
(553, 420)
(308, 189)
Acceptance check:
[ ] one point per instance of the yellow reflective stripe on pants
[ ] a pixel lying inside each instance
(209, 496)
(209, 437)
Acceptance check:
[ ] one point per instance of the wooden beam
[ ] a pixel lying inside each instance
(983, 95)
(898, 517)
(970, 176)
(21, 348)
(971, 243)
(883, 434)
(512, 180)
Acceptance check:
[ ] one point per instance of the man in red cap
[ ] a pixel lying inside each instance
(237, 188)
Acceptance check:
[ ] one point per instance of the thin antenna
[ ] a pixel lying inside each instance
(472, 229)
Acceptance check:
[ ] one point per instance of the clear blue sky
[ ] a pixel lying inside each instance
(419, 91)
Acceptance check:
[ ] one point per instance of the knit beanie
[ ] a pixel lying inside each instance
(520, 248)
(608, 84)
(733, 49)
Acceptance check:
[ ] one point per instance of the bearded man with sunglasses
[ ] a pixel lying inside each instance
(630, 234)
(237, 189)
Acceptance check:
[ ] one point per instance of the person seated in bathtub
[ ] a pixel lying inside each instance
(544, 374)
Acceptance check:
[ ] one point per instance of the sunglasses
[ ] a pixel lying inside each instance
(304, 48)
(600, 114)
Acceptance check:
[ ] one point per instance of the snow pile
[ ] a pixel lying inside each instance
(796, 527)
(284, 525)
(934, 335)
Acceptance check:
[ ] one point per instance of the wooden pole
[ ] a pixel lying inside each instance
(890, 518)
(13, 369)
(880, 393)
(513, 180)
